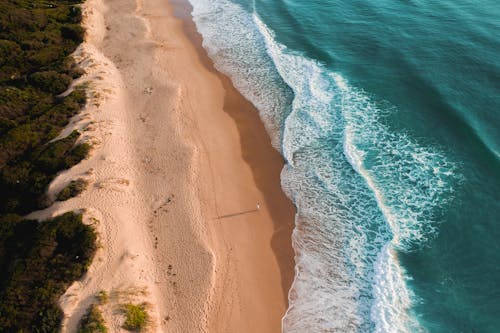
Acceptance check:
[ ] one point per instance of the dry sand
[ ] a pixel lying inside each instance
(178, 155)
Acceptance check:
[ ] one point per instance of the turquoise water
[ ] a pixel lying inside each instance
(387, 115)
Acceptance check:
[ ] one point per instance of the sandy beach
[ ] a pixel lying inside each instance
(180, 162)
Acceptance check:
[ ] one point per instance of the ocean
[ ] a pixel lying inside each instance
(387, 114)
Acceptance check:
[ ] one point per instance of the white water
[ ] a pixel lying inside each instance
(237, 49)
(357, 186)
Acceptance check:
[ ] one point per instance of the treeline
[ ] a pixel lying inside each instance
(38, 260)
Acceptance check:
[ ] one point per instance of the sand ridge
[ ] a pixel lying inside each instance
(180, 161)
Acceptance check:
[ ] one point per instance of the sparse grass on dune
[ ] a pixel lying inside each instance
(136, 317)
(92, 322)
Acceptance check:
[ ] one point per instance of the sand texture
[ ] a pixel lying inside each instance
(179, 163)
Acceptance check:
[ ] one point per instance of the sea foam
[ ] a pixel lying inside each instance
(362, 192)
(234, 43)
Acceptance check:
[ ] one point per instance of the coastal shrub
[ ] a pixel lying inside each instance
(24, 182)
(74, 188)
(50, 81)
(10, 74)
(39, 261)
(43, 57)
(92, 322)
(102, 297)
(70, 67)
(52, 157)
(15, 104)
(75, 13)
(73, 32)
(9, 53)
(136, 317)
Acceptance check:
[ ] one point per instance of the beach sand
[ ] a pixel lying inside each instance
(179, 164)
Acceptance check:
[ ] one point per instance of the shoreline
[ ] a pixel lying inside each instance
(180, 162)
(248, 114)
(265, 165)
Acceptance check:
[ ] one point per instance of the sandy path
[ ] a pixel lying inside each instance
(179, 155)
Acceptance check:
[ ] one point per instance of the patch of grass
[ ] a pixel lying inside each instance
(102, 297)
(74, 188)
(136, 317)
(93, 322)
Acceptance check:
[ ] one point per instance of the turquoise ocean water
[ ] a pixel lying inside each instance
(387, 113)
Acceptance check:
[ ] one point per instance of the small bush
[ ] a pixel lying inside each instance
(9, 52)
(50, 81)
(136, 317)
(78, 153)
(102, 297)
(73, 32)
(74, 188)
(93, 322)
(75, 13)
(44, 56)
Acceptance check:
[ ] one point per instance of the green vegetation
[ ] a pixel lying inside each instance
(36, 39)
(38, 260)
(74, 188)
(50, 81)
(103, 297)
(93, 322)
(136, 317)
(24, 181)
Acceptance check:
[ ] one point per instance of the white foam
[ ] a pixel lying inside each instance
(391, 309)
(410, 182)
(331, 225)
(352, 180)
(236, 47)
